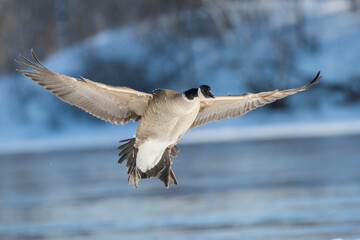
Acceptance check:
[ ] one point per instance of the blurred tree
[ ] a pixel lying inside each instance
(50, 25)
(354, 5)
(253, 44)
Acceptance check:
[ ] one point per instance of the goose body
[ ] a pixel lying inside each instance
(168, 116)
(165, 115)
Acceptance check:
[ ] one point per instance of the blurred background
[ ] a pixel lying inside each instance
(289, 170)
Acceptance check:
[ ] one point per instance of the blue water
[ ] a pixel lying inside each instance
(284, 189)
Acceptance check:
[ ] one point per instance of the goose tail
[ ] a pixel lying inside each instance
(162, 170)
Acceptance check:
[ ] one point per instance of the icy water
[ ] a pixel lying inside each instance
(285, 189)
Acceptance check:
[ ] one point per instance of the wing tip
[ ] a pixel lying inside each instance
(316, 79)
(37, 65)
(36, 58)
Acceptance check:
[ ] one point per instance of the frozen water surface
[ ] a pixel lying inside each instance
(284, 189)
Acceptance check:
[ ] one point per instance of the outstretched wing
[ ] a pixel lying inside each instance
(221, 107)
(113, 104)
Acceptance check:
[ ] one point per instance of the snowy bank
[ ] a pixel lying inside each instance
(108, 138)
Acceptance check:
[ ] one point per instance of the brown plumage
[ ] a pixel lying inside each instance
(221, 107)
(165, 115)
(112, 104)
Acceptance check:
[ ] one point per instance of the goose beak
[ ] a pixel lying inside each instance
(211, 95)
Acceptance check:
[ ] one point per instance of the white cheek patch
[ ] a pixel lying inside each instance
(200, 94)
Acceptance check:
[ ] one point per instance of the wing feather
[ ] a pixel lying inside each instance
(112, 104)
(222, 107)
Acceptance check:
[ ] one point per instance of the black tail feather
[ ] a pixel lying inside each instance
(162, 170)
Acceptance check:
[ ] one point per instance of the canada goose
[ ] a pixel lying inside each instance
(165, 114)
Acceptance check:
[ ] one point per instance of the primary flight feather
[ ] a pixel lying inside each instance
(165, 115)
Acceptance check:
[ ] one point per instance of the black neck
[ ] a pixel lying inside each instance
(191, 93)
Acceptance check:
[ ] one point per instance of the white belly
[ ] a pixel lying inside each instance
(150, 153)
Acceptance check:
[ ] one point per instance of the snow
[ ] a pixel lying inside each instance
(32, 120)
(108, 138)
(338, 35)
(273, 132)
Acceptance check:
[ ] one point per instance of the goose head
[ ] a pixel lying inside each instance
(202, 92)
